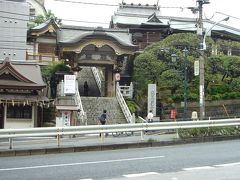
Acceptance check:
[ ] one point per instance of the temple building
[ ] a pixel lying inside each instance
(147, 25)
(111, 50)
(21, 95)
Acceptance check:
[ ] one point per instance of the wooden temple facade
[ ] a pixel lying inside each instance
(110, 50)
(21, 95)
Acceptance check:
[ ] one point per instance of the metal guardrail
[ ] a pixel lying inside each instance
(96, 129)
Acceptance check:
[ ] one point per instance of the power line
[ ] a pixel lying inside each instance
(227, 15)
(3, 27)
(84, 21)
(15, 13)
(13, 48)
(90, 22)
(80, 2)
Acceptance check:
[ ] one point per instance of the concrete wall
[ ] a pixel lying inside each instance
(14, 17)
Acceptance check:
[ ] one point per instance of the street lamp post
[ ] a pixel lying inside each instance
(204, 46)
(201, 66)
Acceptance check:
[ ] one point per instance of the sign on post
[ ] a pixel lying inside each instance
(117, 77)
(152, 98)
(66, 115)
(196, 67)
(69, 84)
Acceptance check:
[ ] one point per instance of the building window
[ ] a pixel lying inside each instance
(22, 112)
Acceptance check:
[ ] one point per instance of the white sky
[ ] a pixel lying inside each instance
(94, 13)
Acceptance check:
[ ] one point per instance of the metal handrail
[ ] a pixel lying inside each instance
(123, 104)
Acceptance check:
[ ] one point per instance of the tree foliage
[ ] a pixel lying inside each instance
(43, 18)
(222, 73)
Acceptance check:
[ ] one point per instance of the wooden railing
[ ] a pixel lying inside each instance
(41, 58)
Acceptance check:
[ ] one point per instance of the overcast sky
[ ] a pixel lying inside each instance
(102, 14)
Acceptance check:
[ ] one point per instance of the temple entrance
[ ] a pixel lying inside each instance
(94, 81)
(1, 116)
(102, 50)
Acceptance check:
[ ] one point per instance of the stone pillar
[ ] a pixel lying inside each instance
(109, 80)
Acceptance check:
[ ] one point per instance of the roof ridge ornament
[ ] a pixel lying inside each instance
(153, 18)
(99, 28)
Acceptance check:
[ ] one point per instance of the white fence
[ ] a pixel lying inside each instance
(127, 91)
(123, 105)
(96, 129)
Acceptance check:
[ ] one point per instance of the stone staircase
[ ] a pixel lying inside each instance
(93, 106)
(86, 75)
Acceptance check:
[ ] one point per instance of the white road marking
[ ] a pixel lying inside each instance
(81, 163)
(140, 174)
(198, 168)
(227, 165)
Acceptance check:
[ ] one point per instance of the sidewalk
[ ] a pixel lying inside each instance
(33, 146)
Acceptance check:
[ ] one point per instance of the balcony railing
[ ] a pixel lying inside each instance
(41, 58)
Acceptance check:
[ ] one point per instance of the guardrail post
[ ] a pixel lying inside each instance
(58, 140)
(142, 135)
(177, 135)
(10, 143)
(102, 136)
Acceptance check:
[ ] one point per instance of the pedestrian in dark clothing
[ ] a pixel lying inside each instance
(103, 119)
(85, 88)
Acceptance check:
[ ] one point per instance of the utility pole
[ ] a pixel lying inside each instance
(185, 51)
(201, 58)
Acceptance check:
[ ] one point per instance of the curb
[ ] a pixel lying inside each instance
(55, 150)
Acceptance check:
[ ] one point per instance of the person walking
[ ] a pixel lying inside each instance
(85, 88)
(103, 119)
(150, 117)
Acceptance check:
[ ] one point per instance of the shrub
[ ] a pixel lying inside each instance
(131, 105)
(213, 131)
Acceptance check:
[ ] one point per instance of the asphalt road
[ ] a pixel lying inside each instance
(215, 160)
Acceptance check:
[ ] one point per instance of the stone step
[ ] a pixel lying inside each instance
(94, 106)
(86, 75)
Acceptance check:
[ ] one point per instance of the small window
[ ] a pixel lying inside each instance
(21, 112)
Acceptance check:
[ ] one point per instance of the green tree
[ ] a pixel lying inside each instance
(48, 73)
(43, 18)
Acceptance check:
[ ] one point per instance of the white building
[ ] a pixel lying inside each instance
(14, 16)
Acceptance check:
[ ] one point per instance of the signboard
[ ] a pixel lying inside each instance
(69, 84)
(152, 98)
(196, 68)
(59, 122)
(117, 76)
(66, 118)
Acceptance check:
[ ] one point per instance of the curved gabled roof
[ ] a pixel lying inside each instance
(69, 36)
(49, 24)
(23, 75)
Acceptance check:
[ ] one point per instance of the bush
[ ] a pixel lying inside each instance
(131, 105)
(205, 132)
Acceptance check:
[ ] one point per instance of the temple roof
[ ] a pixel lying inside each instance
(71, 35)
(132, 16)
(19, 75)
(49, 25)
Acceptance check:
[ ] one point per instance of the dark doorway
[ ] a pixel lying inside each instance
(1, 116)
